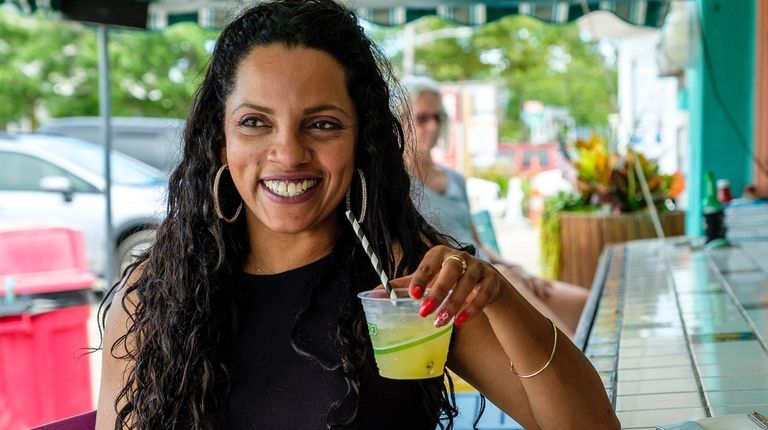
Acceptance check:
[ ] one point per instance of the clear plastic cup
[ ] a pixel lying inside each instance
(405, 345)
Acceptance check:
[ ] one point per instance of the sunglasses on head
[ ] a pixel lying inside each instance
(424, 118)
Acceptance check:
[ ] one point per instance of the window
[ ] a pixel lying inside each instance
(125, 170)
(22, 172)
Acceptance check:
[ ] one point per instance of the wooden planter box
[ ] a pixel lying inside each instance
(583, 236)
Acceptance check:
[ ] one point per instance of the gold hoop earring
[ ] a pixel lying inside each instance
(364, 198)
(216, 204)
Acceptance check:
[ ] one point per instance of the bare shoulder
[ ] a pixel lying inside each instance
(116, 345)
(123, 304)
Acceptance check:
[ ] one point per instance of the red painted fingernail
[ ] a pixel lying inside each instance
(427, 307)
(417, 291)
(461, 318)
(442, 318)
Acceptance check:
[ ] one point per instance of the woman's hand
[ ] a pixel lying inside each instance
(464, 285)
(541, 287)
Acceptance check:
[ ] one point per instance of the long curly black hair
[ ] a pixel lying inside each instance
(186, 307)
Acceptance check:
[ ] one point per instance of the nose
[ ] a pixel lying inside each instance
(289, 149)
(432, 125)
(428, 133)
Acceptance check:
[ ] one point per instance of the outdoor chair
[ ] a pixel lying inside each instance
(484, 226)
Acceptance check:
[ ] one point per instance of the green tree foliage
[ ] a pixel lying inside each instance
(38, 59)
(531, 59)
(156, 73)
(49, 66)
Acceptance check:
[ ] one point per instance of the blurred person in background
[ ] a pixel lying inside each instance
(443, 200)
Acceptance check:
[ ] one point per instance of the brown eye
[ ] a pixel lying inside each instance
(251, 122)
(325, 125)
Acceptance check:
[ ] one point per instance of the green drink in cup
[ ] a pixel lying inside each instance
(405, 345)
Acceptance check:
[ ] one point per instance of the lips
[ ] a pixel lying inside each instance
(290, 188)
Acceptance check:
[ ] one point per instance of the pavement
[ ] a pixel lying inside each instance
(519, 243)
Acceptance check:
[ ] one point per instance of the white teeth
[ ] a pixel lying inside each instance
(288, 188)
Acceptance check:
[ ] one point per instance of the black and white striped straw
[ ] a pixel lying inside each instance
(371, 254)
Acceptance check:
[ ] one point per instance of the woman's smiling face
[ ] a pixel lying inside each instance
(290, 128)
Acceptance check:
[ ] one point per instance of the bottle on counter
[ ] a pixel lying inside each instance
(724, 191)
(714, 215)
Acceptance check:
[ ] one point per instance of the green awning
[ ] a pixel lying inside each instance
(217, 13)
(649, 13)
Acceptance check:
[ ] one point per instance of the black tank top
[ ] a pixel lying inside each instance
(273, 387)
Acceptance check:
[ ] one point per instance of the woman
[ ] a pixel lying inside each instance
(243, 314)
(442, 199)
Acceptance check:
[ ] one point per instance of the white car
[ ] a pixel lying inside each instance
(60, 180)
(155, 141)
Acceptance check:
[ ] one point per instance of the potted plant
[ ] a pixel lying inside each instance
(608, 207)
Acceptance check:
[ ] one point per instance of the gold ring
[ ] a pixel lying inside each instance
(457, 259)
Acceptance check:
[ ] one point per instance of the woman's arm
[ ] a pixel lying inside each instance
(568, 393)
(493, 317)
(113, 369)
(478, 358)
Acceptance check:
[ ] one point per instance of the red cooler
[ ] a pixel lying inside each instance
(44, 310)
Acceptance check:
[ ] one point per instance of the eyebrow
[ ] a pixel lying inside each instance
(254, 107)
(320, 108)
(307, 111)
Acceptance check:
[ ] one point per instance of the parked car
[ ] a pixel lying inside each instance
(155, 141)
(60, 180)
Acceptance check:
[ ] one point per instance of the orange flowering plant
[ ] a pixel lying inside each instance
(606, 179)
(605, 182)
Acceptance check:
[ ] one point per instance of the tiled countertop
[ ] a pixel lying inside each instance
(679, 333)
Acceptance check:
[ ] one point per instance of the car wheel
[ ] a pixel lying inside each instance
(131, 247)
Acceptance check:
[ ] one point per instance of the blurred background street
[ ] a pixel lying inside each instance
(578, 124)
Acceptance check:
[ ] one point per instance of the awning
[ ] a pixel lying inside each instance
(648, 13)
(210, 13)
(217, 13)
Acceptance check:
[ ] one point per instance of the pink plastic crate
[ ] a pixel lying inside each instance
(44, 374)
(43, 259)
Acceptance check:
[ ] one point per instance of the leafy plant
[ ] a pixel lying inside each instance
(610, 181)
(606, 182)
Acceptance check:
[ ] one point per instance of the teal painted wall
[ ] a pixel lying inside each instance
(729, 29)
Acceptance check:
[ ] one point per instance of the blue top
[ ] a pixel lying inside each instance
(449, 211)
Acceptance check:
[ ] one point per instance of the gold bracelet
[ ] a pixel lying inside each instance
(551, 356)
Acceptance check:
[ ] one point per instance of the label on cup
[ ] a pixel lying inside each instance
(372, 330)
